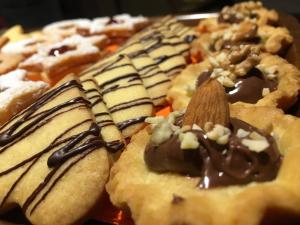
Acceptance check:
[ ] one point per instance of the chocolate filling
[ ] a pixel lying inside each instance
(60, 50)
(247, 88)
(217, 165)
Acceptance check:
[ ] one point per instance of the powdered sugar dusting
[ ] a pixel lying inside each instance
(14, 85)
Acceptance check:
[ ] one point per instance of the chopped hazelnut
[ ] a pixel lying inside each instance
(256, 142)
(265, 91)
(220, 134)
(241, 133)
(188, 140)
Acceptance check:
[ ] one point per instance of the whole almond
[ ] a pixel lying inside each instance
(208, 104)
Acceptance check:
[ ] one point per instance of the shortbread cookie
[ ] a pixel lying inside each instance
(272, 39)
(124, 94)
(108, 130)
(155, 81)
(188, 175)
(9, 62)
(52, 158)
(249, 77)
(165, 55)
(56, 58)
(245, 11)
(16, 93)
(67, 28)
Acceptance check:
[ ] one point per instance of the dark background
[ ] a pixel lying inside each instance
(37, 13)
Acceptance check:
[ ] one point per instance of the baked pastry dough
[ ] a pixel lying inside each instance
(287, 77)
(274, 40)
(245, 11)
(169, 198)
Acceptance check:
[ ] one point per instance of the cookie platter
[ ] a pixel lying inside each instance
(177, 120)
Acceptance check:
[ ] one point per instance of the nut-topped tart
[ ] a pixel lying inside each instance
(197, 166)
(248, 75)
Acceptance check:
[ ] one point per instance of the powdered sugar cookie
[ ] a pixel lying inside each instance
(26, 47)
(16, 93)
(67, 28)
(58, 57)
(9, 62)
(122, 25)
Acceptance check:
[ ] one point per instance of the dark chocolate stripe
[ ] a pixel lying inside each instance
(129, 104)
(87, 80)
(120, 87)
(11, 139)
(58, 178)
(124, 103)
(54, 144)
(158, 83)
(88, 91)
(101, 114)
(127, 123)
(151, 68)
(99, 99)
(164, 58)
(16, 183)
(152, 75)
(179, 68)
(130, 75)
(159, 97)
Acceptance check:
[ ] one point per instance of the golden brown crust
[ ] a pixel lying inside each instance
(274, 40)
(9, 62)
(150, 195)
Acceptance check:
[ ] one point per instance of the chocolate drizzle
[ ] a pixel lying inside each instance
(65, 148)
(217, 165)
(72, 148)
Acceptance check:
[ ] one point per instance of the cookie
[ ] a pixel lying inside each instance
(17, 93)
(52, 158)
(26, 47)
(123, 93)
(251, 11)
(108, 129)
(178, 176)
(122, 25)
(274, 40)
(58, 57)
(3, 41)
(66, 28)
(250, 78)
(9, 62)
(155, 81)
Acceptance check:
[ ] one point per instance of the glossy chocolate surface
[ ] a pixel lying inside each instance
(216, 165)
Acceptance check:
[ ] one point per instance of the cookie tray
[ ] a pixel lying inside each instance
(108, 214)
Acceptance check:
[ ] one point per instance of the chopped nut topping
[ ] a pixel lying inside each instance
(241, 133)
(161, 133)
(220, 134)
(255, 142)
(238, 61)
(190, 89)
(265, 91)
(255, 145)
(270, 72)
(196, 127)
(188, 140)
